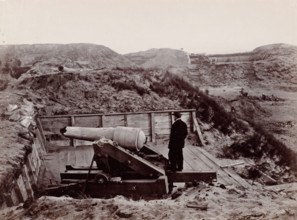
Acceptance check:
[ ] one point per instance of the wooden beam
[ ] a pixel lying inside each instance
(191, 176)
(72, 123)
(110, 114)
(230, 173)
(102, 121)
(152, 125)
(79, 174)
(192, 121)
(40, 129)
(131, 160)
(150, 187)
(171, 118)
(197, 128)
(125, 120)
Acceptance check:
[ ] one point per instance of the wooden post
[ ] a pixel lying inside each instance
(198, 132)
(102, 121)
(192, 122)
(99, 121)
(153, 135)
(125, 120)
(72, 141)
(171, 117)
(40, 128)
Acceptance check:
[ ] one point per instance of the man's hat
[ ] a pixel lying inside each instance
(177, 114)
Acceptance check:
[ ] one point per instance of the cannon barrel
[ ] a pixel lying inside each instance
(127, 137)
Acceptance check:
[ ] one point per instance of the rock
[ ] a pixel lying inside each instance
(15, 116)
(39, 106)
(197, 205)
(124, 213)
(27, 109)
(176, 194)
(91, 94)
(28, 203)
(26, 136)
(26, 121)
(11, 107)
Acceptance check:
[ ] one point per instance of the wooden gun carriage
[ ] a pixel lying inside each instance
(124, 169)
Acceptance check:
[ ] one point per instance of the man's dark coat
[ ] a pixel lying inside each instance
(176, 144)
(178, 134)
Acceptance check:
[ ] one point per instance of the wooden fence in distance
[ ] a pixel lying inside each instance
(155, 124)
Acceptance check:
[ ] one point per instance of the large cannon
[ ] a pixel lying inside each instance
(128, 137)
(126, 165)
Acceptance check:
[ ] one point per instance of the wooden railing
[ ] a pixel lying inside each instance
(155, 124)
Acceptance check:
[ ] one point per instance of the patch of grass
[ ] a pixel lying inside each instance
(260, 145)
(207, 109)
(3, 84)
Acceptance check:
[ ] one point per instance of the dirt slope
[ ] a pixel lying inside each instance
(159, 58)
(45, 58)
(262, 91)
(217, 202)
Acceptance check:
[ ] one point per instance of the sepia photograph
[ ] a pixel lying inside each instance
(151, 109)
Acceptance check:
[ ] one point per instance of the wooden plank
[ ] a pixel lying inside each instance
(193, 114)
(191, 176)
(72, 140)
(79, 174)
(222, 176)
(162, 131)
(91, 121)
(152, 124)
(171, 116)
(51, 124)
(141, 188)
(129, 113)
(162, 117)
(100, 118)
(125, 121)
(81, 157)
(83, 120)
(102, 121)
(231, 174)
(197, 128)
(194, 161)
(166, 122)
(72, 121)
(40, 134)
(139, 121)
(162, 126)
(113, 121)
(207, 162)
(60, 142)
(133, 161)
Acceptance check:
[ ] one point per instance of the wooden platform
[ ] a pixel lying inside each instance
(195, 159)
(198, 159)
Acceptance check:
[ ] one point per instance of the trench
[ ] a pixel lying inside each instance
(26, 185)
(51, 151)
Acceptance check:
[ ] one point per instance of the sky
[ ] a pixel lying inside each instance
(126, 26)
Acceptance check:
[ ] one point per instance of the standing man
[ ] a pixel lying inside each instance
(177, 142)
